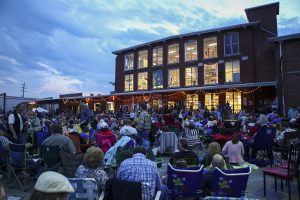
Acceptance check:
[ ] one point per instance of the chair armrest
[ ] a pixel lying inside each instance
(157, 196)
(101, 196)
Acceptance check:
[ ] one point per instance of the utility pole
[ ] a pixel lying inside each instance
(23, 89)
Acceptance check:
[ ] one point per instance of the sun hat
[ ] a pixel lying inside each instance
(53, 182)
(102, 125)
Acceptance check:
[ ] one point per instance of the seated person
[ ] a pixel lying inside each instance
(207, 180)
(92, 167)
(58, 139)
(140, 169)
(212, 149)
(127, 129)
(192, 135)
(184, 152)
(105, 138)
(234, 149)
(285, 130)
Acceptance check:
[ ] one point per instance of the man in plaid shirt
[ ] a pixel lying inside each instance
(144, 126)
(140, 169)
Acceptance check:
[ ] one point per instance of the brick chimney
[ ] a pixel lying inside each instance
(266, 15)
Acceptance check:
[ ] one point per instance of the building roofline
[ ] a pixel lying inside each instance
(250, 24)
(284, 38)
(263, 6)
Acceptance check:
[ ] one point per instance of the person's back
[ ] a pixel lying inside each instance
(235, 150)
(140, 169)
(184, 152)
(57, 139)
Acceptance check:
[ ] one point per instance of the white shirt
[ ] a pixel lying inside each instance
(11, 120)
(128, 130)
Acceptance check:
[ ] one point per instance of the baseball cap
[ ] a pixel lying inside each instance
(53, 182)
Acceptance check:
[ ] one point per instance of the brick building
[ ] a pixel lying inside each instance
(230, 64)
(287, 62)
(244, 65)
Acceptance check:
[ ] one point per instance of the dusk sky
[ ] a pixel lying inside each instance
(64, 46)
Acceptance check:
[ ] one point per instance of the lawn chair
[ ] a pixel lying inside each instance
(50, 157)
(184, 183)
(19, 164)
(85, 188)
(230, 183)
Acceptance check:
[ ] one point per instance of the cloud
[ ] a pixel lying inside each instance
(65, 46)
(11, 80)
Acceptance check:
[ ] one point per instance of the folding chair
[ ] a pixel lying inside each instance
(285, 166)
(50, 157)
(3, 160)
(18, 163)
(85, 188)
(39, 138)
(184, 183)
(230, 183)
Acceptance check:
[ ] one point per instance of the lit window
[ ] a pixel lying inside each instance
(129, 82)
(211, 73)
(157, 56)
(191, 76)
(192, 101)
(171, 104)
(235, 101)
(173, 79)
(129, 61)
(157, 79)
(211, 100)
(157, 104)
(143, 59)
(173, 54)
(232, 71)
(190, 51)
(143, 81)
(210, 47)
(231, 43)
(110, 106)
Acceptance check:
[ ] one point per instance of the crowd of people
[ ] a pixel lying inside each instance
(104, 133)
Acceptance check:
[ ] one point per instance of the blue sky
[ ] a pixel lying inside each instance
(64, 46)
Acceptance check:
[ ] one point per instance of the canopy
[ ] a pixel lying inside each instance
(39, 109)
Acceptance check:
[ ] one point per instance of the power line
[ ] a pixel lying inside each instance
(23, 87)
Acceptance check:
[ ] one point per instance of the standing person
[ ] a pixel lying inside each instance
(234, 149)
(144, 126)
(16, 125)
(85, 114)
(140, 169)
(34, 125)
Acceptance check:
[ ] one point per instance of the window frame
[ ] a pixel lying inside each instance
(162, 81)
(173, 69)
(178, 60)
(145, 80)
(185, 49)
(130, 80)
(191, 77)
(232, 65)
(157, 57)
(213, 98)
(132, 61)
(217, 73)
(231, 43)
(145, 52)
(216, 48)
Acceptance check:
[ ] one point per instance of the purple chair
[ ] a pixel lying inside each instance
(184, 183)
(230, 183)
(39, 138)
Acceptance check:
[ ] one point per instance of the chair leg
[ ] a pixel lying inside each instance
(275, 184)
(289, 189)
(264, 185)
